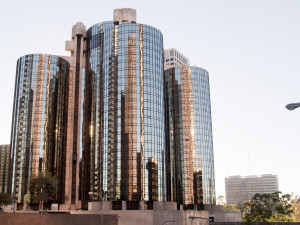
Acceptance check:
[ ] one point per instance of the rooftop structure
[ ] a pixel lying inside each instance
(172, 58)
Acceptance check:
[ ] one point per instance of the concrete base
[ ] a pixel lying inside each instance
(152, 217)
(170, 206)
(142, 205)
(79, 204)
(30, 218)
(54, 206)
(6, 208)
(63, 207)
(164, 205)
(226, 216)
(107, 205)
(73, 207)
(94, 206)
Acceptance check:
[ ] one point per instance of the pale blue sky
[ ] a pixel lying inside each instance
(250, 48)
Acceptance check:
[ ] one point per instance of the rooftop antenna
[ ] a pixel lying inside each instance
(250, 163)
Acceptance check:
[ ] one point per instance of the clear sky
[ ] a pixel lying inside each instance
(251, 49)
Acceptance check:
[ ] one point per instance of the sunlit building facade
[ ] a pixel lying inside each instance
(189, 143)
(4, 167)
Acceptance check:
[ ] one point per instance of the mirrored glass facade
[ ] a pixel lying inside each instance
(39, 126)
(123, 149)
(189, 144)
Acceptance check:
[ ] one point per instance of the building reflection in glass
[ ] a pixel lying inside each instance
(190, 167)
(39, 125)
(124, 113)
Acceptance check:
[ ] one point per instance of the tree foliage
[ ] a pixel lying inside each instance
(232, 207)
(228, 207)
(221, 200)
(296, 209)
(42, 188)
(268, 208)
(5, 199)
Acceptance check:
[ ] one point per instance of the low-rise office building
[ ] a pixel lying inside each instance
(4, 161)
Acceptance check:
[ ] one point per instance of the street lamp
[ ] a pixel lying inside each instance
(196, 217)
(169, 221)
(292, 106)
(101, 201)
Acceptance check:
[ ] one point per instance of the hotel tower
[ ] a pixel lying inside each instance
(119, 118)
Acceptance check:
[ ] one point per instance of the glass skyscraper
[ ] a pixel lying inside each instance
(39, 126)
(189, 136)
(124, 142)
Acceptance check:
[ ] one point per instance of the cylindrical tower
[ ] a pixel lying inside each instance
(39, 124)
(124, 141)
(190, 161)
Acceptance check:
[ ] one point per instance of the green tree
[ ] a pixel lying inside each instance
(228, 207)
(296, 209)
(221, 200)
(5, 199)
(268, 208)
(232, 207)
(42, 188)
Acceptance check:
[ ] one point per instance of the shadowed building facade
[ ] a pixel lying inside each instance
(189, 136)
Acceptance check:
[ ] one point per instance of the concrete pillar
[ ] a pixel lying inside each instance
(54, 206)
(125, 15)
(142, 205)
(124, 205)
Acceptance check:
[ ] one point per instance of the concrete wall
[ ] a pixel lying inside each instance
(226, 216)
(55, 219)
(153, 217)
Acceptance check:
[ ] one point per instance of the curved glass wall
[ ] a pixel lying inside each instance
(39, 126)
(124, 127)
(190, 161)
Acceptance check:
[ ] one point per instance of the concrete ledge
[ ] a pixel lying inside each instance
(57, 219)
